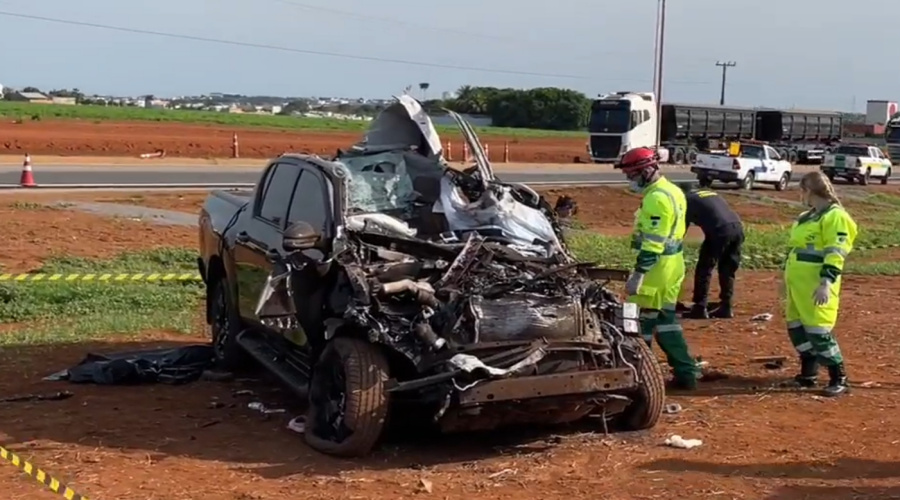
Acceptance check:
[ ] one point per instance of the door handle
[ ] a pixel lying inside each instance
(243, 237)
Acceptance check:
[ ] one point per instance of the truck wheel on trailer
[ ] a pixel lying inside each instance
(864, 178)
(692, 155)
(747, 183)
(887, 176)
(793, 156)
(783, 182)
(678, 156)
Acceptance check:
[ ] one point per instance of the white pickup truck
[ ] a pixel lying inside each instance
(857, 162)
(745, 164)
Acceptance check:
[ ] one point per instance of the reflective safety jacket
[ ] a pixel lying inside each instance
(820, 242)
(659, 238)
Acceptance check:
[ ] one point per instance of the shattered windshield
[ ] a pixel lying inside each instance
(378, 184)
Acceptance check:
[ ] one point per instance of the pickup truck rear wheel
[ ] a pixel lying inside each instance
(886, 178)
(650, 398)
(783, 182)
(347, 403)
(704, 181)
(225, 327)
(864, 178)
(747, 183)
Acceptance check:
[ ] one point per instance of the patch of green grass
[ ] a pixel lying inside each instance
(27, 111)
(764, 248)
(70, 311)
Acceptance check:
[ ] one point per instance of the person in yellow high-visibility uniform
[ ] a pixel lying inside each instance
(820, 240)
(655, 283)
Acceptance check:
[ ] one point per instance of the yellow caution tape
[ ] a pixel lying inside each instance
(108, 277)
(40, 476)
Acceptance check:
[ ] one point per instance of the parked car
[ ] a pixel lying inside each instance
(747, 164)
(384, 279)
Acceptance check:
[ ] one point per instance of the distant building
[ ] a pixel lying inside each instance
(68, 101)
(32, 97)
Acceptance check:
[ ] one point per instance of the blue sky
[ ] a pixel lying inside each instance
(804, 53)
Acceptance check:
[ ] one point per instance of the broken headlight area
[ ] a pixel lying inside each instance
(463, 313)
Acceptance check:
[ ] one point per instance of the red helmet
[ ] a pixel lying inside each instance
(637, 160)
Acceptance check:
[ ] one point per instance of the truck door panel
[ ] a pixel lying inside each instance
(310, 204)
(253, 261)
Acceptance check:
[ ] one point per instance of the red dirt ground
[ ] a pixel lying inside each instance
(199, 441)
(31, 233)
(85, 138)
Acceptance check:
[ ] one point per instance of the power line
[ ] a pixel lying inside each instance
(431, 28)
(285, 49)
(319, 52)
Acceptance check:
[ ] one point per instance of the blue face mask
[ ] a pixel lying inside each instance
(636, 186)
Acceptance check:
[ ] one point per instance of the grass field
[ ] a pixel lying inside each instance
(28, 111)
(71, 312)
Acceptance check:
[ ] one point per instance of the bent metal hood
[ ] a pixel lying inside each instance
(405, 124)
(402, 125)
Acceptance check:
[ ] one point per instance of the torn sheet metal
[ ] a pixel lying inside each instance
(529, 229)
(469, 363)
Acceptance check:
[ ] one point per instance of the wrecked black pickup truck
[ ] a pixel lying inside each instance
(385, 286)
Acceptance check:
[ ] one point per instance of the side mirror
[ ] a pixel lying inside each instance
(300, 236)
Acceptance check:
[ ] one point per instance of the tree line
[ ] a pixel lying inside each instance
(547, 108)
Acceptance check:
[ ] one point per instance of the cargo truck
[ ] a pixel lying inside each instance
(892, 138)
(624, 120)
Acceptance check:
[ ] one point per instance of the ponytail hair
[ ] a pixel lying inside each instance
(819, 184)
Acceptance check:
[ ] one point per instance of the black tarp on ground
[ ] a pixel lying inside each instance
(167, 365)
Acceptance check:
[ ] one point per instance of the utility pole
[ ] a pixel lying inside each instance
(660, 43)
(724, 66)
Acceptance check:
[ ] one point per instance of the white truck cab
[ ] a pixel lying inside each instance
(857, 162)
(744, 163)
(621, 121)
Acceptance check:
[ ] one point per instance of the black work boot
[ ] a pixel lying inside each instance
(698, 311)
(837, 381)
(809, 372)
(723, 311)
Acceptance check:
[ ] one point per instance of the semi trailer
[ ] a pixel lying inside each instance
(625, 120)
(892, 138)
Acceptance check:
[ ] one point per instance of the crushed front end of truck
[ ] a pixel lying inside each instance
(455, 299)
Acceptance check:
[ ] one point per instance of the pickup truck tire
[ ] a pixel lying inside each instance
(347, 403)
(224, 327)
(747, 183)
(864, 178)
(704, 182)
(783, 182)
(650, 398)
(886, 178)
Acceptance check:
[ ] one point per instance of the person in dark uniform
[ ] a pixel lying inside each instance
(723, 237)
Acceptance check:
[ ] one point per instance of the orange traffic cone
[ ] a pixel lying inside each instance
(27, 179)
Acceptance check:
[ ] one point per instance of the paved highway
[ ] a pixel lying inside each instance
(192, 176)
(142, 176)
